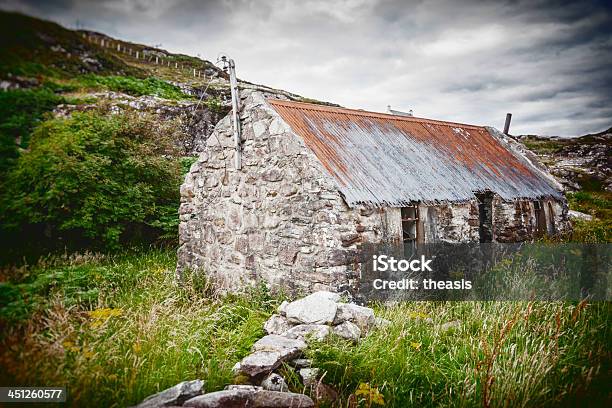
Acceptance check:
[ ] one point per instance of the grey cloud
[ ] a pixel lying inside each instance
(469, 61)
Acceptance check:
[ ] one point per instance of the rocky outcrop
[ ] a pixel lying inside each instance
(576, 162)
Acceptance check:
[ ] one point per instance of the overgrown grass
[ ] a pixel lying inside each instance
(597, 204)
(500, 354)
(114, 329)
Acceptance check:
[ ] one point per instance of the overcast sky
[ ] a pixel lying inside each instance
(549, 63)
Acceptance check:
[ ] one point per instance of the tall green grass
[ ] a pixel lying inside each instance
(115, 329)
(499, 354)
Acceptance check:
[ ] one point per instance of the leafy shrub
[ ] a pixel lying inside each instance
(133, 86)
(20, 111)
(94, 176)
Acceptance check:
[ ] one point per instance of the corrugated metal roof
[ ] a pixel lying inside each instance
(385, 160)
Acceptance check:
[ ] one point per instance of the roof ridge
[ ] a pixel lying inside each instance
(360, 112)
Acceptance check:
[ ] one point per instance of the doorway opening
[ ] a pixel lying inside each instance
(485, 216)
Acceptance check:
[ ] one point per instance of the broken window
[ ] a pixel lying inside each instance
(410, 217)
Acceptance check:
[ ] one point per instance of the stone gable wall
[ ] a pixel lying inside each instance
(280, 219)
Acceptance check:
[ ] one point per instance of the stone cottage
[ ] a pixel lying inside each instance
(317, 182)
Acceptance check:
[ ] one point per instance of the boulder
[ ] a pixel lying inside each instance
(275, 399)
(343, 313)
(282, 308)
(235, 398)
(348, 330)
(274, 382)
(277, 324)
(174, 396)
(268, 354)
(251, 398)
(260, 362)
(282, 344)
(362, 317)
(301, 363)
(317, 308)
(305, 331)
(577, 215)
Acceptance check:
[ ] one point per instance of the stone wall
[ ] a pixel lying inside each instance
(279, 219)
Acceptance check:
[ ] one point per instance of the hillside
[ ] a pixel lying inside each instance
(578, 163)
(81, 69)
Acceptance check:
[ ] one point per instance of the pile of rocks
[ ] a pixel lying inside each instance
(314, 317)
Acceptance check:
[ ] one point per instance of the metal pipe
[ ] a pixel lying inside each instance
(507, 124)
(235, 108)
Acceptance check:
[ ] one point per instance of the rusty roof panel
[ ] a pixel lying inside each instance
(385, 160)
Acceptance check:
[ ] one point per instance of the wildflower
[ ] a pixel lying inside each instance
(371, 394)
(70, 346)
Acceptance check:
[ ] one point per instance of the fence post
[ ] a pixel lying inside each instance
(194, 72)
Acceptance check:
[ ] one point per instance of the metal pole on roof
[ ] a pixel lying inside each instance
(507, 124)
(231, 66)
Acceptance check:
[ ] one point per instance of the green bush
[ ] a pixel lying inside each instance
(94, 176)
(20, 111)
(133, 86)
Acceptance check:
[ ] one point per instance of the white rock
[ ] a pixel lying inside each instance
(252, 398)
(343, 313)
(301, 363)
(577, 215)
(278, 126)
(323, 294)
(277, 324)
(274, 342)
(348, 330)
(174, 396)
(305, 331)
(259, 128)
(274, 382)
(317, 308)
(282, 308)
(309, 376)
(363, 317)
(260, 362)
